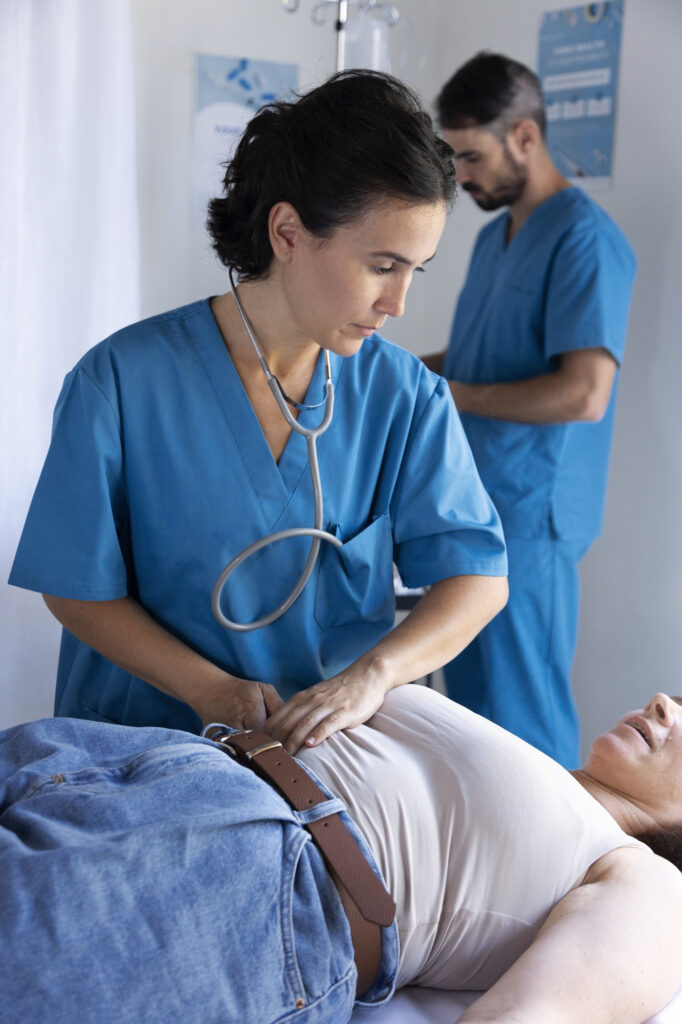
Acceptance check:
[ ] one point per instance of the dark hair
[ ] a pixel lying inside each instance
(491, 91)
(360, 138)
(666, 842)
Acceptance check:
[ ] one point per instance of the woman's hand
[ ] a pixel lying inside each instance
(125, 633)
(239, 703)
(444, 621)
(345, 700)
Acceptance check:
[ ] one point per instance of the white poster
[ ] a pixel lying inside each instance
(228, 91)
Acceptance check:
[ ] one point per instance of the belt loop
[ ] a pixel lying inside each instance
(269, 758)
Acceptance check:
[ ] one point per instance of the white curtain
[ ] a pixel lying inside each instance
(69, 265)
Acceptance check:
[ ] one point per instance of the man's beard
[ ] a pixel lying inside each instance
(508, 189)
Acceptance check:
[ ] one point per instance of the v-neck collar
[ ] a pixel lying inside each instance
(537, 214)
(274, 483)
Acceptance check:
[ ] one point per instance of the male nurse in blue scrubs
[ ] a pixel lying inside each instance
(532, 363)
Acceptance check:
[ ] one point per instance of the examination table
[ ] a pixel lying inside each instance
(430, 1006)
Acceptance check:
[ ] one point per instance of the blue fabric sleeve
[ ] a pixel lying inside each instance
(588, 291)
(444, 523)
(71, 542)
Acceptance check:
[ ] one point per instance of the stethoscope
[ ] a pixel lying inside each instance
(316, 531)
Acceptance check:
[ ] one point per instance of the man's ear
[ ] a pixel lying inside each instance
(285, 231)
(525, 137)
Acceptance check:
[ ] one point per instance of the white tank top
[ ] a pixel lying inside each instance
(477, 833)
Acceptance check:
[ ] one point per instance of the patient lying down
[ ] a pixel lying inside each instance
(148, 877)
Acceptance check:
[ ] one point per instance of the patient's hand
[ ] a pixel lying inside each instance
(345, 700)
(239, 703)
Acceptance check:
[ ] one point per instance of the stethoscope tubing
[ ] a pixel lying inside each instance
(316, 532)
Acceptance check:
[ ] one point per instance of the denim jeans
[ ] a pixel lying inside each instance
(147, 877)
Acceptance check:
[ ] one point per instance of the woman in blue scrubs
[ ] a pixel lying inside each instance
(170, 454)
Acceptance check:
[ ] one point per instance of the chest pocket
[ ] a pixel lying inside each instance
(355, 582)
(516, 315)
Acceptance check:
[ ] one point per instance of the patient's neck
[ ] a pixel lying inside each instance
(632, 818)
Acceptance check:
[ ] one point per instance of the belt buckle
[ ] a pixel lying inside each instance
(222, 738)
(270, 745)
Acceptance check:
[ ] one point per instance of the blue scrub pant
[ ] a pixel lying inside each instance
(517, 671)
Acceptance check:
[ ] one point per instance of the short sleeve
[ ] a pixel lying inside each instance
(71, 545)
(589, 290)
(444, 523)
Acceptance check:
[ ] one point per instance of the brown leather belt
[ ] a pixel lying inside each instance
(367, 903)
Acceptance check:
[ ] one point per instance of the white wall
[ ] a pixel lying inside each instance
(631, 602)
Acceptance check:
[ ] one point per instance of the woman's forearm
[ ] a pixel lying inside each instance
(124, 633)
(446, 619)
(607, 954)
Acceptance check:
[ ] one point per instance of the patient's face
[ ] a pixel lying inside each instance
(641, 757)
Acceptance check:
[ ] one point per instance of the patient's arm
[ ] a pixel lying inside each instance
(609, 952)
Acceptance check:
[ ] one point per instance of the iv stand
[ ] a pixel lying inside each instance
(319, 14)
(340, 27)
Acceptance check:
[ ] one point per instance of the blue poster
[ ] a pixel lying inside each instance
(578, 61)
(228, 92)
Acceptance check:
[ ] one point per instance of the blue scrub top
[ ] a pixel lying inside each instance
(563, 283)
(159, 474)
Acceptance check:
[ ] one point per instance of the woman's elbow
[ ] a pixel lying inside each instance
(498, 594)
(502, 592)
(53, 603)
